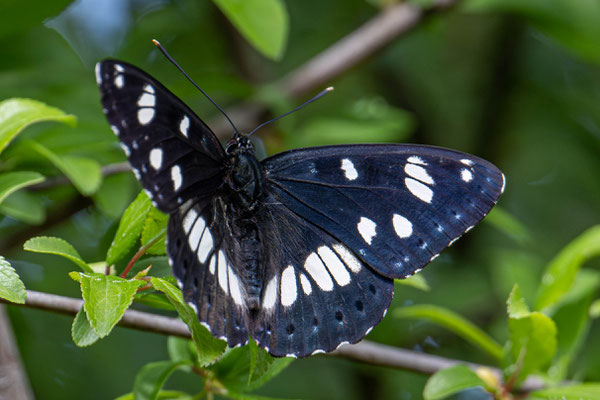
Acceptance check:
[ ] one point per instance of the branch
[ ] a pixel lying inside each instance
(365, 351)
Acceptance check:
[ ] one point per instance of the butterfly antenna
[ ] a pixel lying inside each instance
(166, 54)
(317, 97)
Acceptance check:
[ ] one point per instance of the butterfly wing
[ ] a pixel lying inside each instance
(174, 155)
(395, 206)
(344, 221)
(202, 254)
(317, 295)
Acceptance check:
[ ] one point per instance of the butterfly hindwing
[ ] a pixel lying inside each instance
(199, 253)
(317, 294)
(395, 206)
(174, 155)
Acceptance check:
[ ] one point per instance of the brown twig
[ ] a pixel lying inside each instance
(365, 351)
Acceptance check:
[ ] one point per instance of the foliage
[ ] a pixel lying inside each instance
(514, 81)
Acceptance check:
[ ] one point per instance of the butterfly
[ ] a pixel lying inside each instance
(300, 250)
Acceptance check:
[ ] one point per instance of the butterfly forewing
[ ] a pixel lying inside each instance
(173, 153)
(395, 206)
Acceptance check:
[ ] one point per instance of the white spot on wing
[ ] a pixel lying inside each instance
(305, 284)
(98, 74)
(270, 297)
(402, 226)
(222, 271)
(367, 228)
(419, 190)
(466, 175)
(119, 81)
(234, 288)
(206, 245)
(176, 177)
(419, 173)
(125, 149)
(288, 286)
(115, 130)
(503, 184)
(145, 115)
(146, 100)
(316, 269)
(416, 160)
(149, 88)
(349, 169)
(189, 219)
(212, 265)
(334, 265)
(184, 126)
(466, 161)
(196, 233)
(351, 261)
(156, 157)
(119, 68)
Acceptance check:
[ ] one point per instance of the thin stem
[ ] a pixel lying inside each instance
(365, 352)
(142, 251)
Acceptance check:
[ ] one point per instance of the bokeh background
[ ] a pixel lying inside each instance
(514, 81)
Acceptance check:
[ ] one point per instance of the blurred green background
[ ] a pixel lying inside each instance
(514, 81)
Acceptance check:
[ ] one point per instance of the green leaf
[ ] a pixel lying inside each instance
(152, 377)
(17, 114)
(156, 300)
(82, 332)
(25, 207)
(367, 120)
(532, 336)
(84, 173)
(179, 349)
(263, 367)
(156, 222)
(450, 381)
(509, 225)
(561, 271)
(455, 323)
(245, 396)
(264, 23)
(60, 247)
(417, 281)
(105, 298)
(114, 194)
(13, 21)
(595, 309)
(571, 316)
(584, 391)
(130, 228)
(13, 181)
(11, 286)
(209, 348)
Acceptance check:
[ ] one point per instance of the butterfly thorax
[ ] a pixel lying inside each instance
(245, 176)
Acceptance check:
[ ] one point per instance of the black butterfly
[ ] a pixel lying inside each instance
(298, 251)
